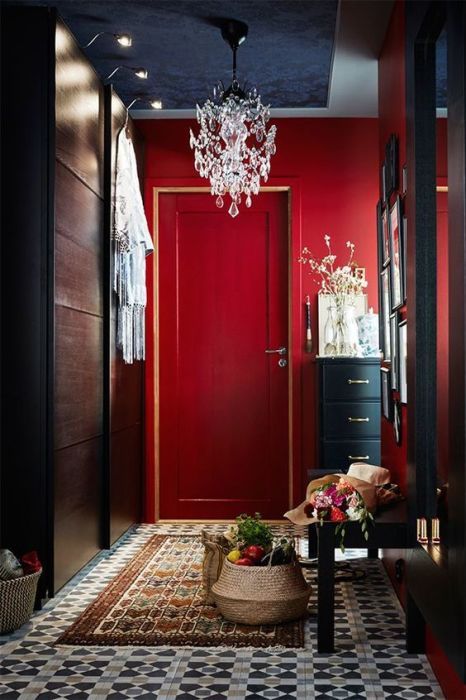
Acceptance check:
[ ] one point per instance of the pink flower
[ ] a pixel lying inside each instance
(321, 500)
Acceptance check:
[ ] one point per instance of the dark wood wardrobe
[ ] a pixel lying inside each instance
(72, 412)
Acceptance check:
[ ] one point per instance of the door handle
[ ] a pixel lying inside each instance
(358, 381)
(278, 351)
(358, 420)
(358, 457)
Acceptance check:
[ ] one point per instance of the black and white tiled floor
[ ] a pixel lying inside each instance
(370, 661)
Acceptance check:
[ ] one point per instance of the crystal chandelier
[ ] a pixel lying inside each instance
(233, 147)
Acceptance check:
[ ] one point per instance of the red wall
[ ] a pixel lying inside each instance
(392, 119)
(332, 168)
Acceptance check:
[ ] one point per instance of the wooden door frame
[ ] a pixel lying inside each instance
(156, 192)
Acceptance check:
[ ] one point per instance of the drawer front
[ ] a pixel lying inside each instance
(351, 382)
(339, 455)
(351, 420)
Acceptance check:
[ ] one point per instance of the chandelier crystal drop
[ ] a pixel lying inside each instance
(233, 147)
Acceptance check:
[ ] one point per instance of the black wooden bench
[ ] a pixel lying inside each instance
(389, 532)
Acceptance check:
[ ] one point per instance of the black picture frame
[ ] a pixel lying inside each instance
(404, 180)
(402, 363)
(396, 263)
(404, 259)
(378, 212)
(386, 394)
(384, 326)
(391, 165)
(397, 422)
(383, 182)
(394, 352)
(385, 236)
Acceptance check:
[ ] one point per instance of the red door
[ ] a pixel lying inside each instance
(223, 301)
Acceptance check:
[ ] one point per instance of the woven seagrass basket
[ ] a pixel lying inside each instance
(261, 595)
(17, 596)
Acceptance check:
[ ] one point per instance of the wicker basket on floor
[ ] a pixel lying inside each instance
(260, 595)
(17, 596)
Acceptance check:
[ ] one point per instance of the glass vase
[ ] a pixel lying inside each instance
(346, 329)
(330, 330)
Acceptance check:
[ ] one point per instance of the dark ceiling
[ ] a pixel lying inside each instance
(288, 53)
(441, 64)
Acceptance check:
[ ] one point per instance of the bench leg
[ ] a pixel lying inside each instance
(415, 627)
(326, 590)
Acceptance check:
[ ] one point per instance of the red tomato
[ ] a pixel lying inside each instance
(254, 552)
(244, 562)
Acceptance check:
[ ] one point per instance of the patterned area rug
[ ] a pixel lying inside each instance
(156, 600)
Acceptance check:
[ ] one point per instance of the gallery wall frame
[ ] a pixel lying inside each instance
(397, 422)
(385, 314)
(403, 357)
(391, 165)
(386, 394)
(396, 255)
(394, 345)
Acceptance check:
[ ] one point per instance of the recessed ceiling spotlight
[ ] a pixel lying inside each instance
(141, 73)
(155, 104)
(123, 39)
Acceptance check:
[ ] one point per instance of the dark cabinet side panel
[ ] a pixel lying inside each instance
(27, 132)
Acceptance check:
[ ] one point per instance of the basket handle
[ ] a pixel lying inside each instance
(269, 565)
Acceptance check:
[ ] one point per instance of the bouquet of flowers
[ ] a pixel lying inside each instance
(338, 502)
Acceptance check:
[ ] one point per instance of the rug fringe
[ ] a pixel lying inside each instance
(96, 647)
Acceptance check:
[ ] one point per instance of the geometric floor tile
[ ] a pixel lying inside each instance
(369, 660)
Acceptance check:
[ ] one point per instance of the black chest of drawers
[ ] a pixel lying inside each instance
(349, 400)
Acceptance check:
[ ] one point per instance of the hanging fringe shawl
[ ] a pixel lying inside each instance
(132, 244)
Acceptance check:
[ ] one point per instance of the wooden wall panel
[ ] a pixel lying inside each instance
(125, 483)
(125, 389)
(79, 254)
(78, 377)
(79, 112)
(79, 310)
(126, 404)
(77, 500)
(78, 278)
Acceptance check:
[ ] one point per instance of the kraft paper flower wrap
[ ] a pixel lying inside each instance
(337, 499)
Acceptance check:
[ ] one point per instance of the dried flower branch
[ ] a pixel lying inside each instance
(337, 281)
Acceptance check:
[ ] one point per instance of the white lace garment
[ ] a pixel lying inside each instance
(132, 244)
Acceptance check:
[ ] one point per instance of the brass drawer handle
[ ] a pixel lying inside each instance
(358, 420)
(358, 381)
(358, 457)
